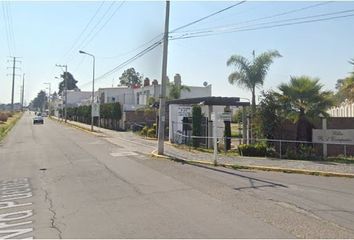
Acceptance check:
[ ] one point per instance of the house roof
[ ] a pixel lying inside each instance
(216, 101)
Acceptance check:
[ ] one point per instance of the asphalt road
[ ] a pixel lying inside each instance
(60, 182)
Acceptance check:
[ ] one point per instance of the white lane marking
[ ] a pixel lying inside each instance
(123, 154)
(14, 190)
(5, 205)
(15, 215)
(12, 233)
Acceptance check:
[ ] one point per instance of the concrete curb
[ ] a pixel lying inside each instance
(100, 134)
(257, 167)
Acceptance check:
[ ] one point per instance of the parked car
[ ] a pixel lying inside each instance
(38, 120)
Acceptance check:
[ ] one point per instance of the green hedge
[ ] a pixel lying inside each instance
(253, 150)
(111, 113)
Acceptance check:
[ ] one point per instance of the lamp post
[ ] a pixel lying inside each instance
(65, 87)
(93, 85)
(49, 93)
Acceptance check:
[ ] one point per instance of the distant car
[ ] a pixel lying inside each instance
(38, 120)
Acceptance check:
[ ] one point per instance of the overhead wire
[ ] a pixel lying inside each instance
(11, 28)
(6, 28)
(154, 45)
(206, 17)
(99, 30)
(115, 69)
(270, 22)
(84, 29)
(94, 28)
(104, 24)
(273, 15)
(263, 27)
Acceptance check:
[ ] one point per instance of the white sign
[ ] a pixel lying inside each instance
(226, 116)
(335, 136)
(184, 111)
(95, 110)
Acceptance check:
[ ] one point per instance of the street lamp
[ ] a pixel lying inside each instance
(93, 85)
(49, 102)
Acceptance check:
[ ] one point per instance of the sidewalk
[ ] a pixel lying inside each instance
(149, 145)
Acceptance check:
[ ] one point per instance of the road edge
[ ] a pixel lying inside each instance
(11, 125)
(255, 167)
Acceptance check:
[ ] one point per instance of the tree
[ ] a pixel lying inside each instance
(251, 74)
(345, 87)
(130, 78)
(175, 90)
(270, 110)
(40, 101)
(304, 100)
(71, 82)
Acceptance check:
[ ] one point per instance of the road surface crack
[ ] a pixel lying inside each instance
(53, 218)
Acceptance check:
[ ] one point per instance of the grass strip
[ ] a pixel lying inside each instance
(8, 125)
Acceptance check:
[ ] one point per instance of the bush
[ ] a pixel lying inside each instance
(144, 131)
(253, 150)
(151, 133)
(9, 114)
(3, 117)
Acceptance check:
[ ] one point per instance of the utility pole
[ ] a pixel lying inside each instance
(65, 88)
(49, 94)
(23, 90)
(162, 112)
(13, 81)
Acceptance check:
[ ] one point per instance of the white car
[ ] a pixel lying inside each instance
(38, 119)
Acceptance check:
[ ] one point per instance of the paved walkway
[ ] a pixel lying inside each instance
(147, 146)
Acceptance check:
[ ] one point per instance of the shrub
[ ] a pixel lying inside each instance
(3, 117)
(253, 150)
(9, 114)
(151, 133)
(144, 131)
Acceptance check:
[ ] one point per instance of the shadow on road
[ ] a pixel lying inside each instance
(252, 180)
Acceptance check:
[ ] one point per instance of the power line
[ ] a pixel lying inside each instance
(84, 29)
(130, 60)
(97, 23)
(206, 17)
(105, 23)
(271, 22)
(93, 28)
(264, 27)
(135, 49)
(97, 32)
(6, 27)
(154, 45)
(270, 16)
(12, 34)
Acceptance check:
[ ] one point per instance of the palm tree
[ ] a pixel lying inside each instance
(175, 90)
(304, 100)
(251, 74)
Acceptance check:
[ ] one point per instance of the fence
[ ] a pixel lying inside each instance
(274, 148)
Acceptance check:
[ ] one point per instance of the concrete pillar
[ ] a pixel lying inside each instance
(210, 127)
(324, 127)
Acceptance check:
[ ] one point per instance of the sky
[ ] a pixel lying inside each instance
(43, 34)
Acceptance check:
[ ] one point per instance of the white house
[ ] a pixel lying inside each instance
(77, 98)
(133, 98)
(345, 109)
